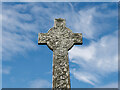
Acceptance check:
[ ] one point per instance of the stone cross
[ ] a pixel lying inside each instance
(60, 39)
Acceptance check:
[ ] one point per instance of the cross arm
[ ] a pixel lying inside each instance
(77, 37)
(42, 38)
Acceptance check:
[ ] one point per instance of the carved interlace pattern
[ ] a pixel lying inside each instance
(60, 37)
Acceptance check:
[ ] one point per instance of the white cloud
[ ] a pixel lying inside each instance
(89, 51)
(85, 77)
(100, 59)
(13, 21)
(17, 36)
(39, 83)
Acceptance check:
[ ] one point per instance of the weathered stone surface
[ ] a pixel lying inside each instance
(60, 39)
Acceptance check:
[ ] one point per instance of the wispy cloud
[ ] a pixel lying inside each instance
(17, 32)
(85, 77)
(99, 59)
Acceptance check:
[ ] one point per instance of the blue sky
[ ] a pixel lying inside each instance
(29, 65)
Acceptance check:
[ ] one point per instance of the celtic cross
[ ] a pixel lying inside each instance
(60, 39)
